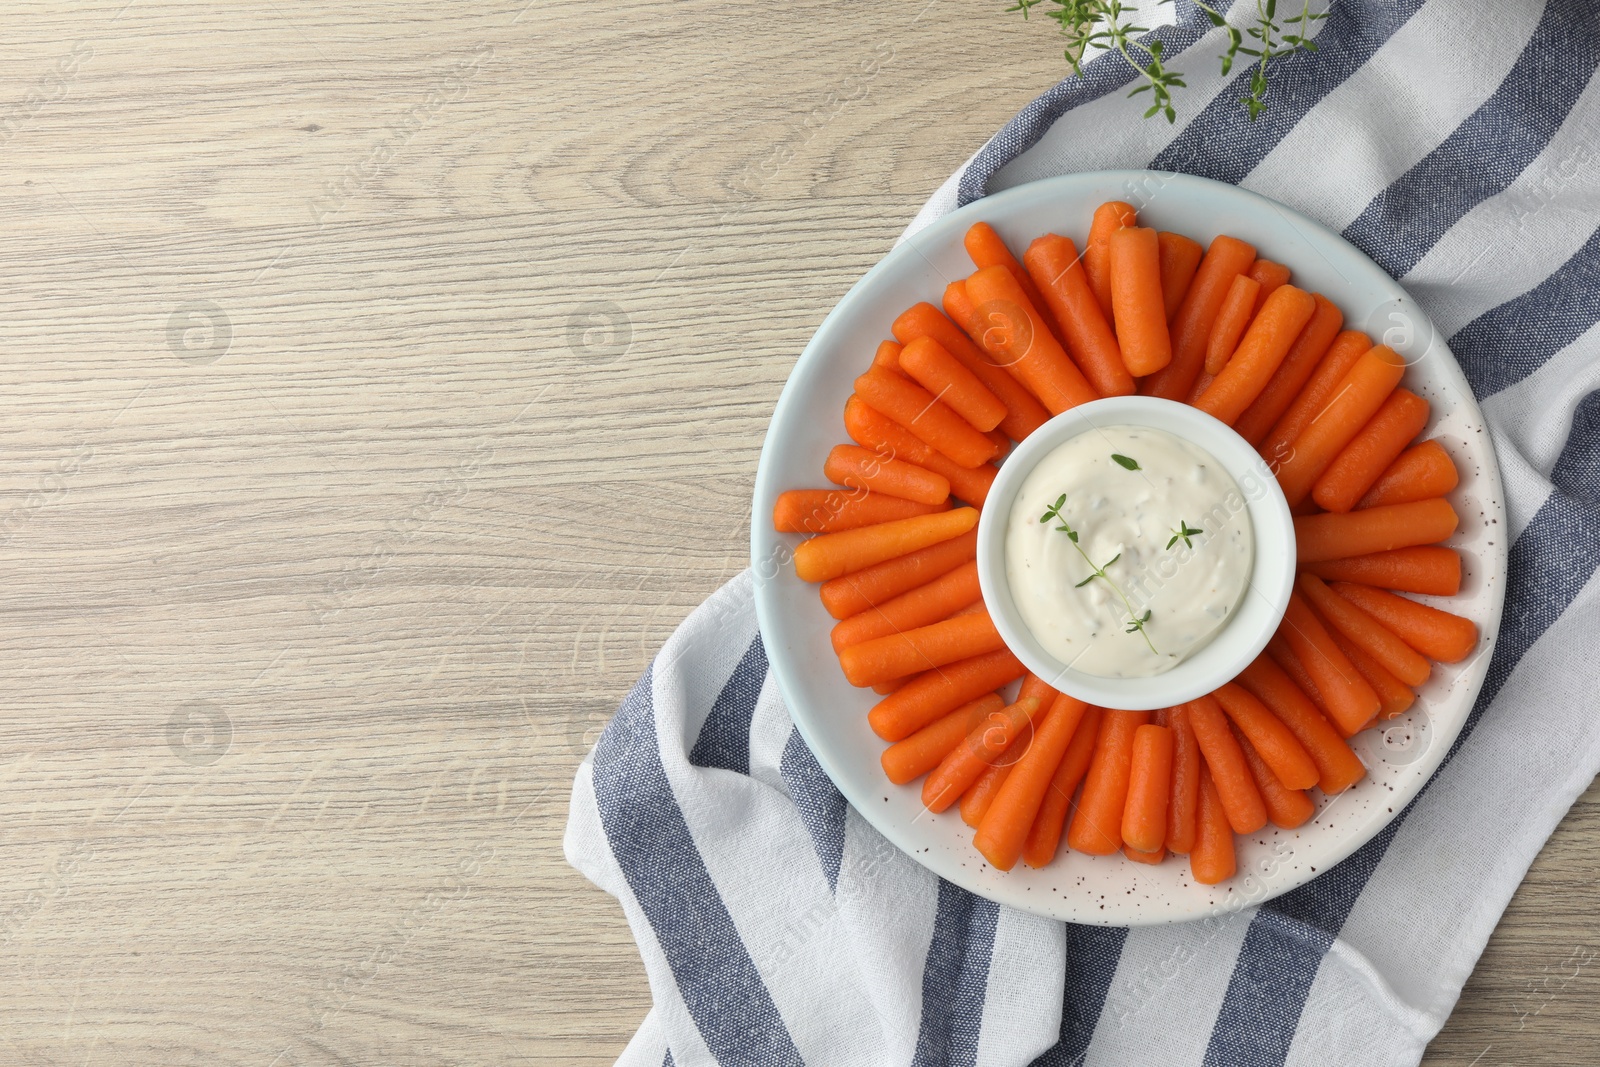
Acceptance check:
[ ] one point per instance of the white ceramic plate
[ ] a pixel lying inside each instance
(832, 715)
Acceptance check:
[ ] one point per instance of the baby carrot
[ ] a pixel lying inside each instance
(1044, 837)
(1151, 858)
(1348, 347)
(1227, 258)
(831, 555)
(1144, 814)
(1238, 308)
(1003, 832)
(1397, 657)
(1437, 634)
(875, 430)
(1358, 398)
(978, 751)
(1108, 219)
(883, 689)
(1270, 277)
(1212, 861)
(1290, 663)
(1024, 414)
(1380, 442)
(1053, 262)
(887, 357)
(1338, 767)
(833, 510)
(1394, 696)
(882, 582)
(860, 468)
(980, 794)
(1136, 300)
(1263, 348)
(1368, 530)
(939, 599)
(1429, 569)
(1240, 797)
(911, 758)
(924, 415)
(922, 649)
(937, 371)
(1351, 701)
(1420, 472)
(986, 249)
(1034, 686)
(1185, 793)
(936, 693)
(1025, 344)
(1286, 807)
(1276, 742)
(1097, 826)
(1293, 373)
(1180, 258)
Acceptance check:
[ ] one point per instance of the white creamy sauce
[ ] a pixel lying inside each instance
(1190, 590)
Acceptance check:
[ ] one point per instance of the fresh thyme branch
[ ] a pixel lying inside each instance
(1136, 623)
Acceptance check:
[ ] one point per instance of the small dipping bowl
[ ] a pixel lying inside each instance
(1236, 644)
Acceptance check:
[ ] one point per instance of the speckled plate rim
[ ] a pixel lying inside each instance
(831, 715)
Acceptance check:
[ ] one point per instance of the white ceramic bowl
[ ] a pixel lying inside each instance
(1239, 641)
(832, 715)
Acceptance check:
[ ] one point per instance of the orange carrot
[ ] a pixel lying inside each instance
(1262, 350)
(978, 751)
(1136, 301)
(1358, 398)
(920, 753)
(883, 689)
(936, 693)
(980, 794)
(1023, 342)
(855, 593)
(860, 468)
(1185, 792)
(1097, 826)
(1024, 414)
(1180, 258)
(1338, 767)
(1053, 262)
(1044, 837)
(1428, 569)
(1380, 529)
(834, 510)
(1151, 858)
(1293, 373)
(1437, 634)
(1361, 462)
(1397, 657)
(1351, 701)
(931, 420)
(1420, 472)
(1038, 688)
(922, 649)
(1108, 219)
(1274, 740)
(1290, 663)
(1394, 696)
(1348, 347)
(946, 377)
(1287, 808)
(1003, 832)
(831, 555)
(1240, 797)
(1270, 277)
(986, 249)
(875, 430)
(1238, 308)
(1212, 860)
(1227, 258)
(887, 357)
(926, 604)
(1144, 813)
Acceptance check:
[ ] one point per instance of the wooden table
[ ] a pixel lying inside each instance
(383, 382)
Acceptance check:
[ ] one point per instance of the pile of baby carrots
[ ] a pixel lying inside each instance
(895, 542)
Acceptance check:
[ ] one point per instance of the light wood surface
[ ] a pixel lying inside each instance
(383, 382)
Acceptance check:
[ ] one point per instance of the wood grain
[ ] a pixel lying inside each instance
(384, 383)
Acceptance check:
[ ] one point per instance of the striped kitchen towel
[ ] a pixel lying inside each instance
(1458, 144)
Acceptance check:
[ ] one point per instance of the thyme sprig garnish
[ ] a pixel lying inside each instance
(1136, 623)
(1183, 533)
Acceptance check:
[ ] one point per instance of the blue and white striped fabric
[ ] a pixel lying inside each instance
(1458, 144)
